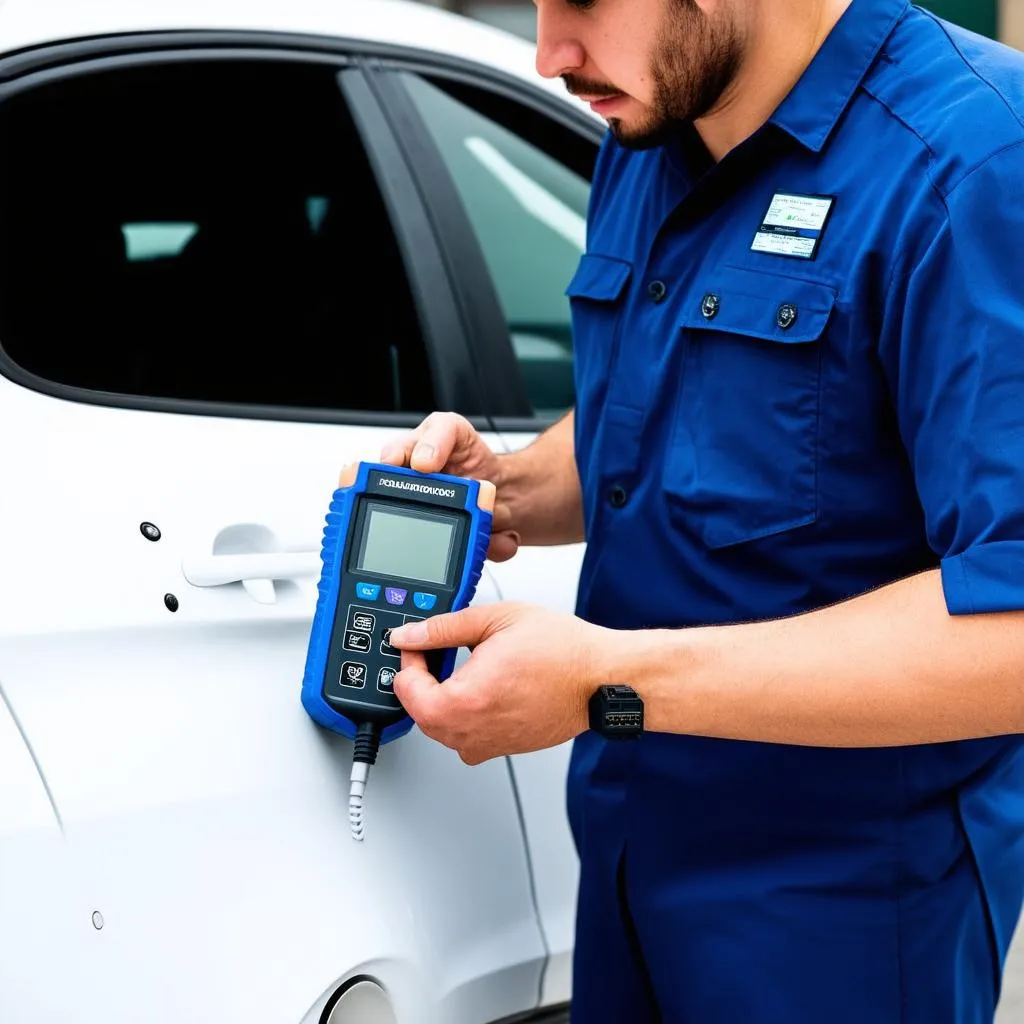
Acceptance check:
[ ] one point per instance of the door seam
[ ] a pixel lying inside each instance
(31, 753)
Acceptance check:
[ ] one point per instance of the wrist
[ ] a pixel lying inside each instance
(661, 665)
(610, 657)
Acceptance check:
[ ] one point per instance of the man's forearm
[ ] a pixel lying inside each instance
(888, 668)
(540, 485)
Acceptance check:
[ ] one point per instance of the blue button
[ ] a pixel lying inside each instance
(424, 601)
(367, 591)
(395, 595)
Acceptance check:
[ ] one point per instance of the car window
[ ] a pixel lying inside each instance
(208, 231)
(528, 210)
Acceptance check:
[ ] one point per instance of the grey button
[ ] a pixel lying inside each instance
(786, 316)
(710, 305)
(618, 496)
(657, 291)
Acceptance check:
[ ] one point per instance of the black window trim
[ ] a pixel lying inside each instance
(508, 406)
(423, 250)
(494, 367)
(60, 53)
(511, 89)
(28, 68)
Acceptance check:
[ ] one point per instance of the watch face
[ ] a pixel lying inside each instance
(617, 712)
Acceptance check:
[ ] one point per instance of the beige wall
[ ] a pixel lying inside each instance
(1011, 22)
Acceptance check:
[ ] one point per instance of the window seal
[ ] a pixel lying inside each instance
(41, 56)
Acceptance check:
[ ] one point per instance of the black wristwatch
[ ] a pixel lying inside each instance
(617, 712)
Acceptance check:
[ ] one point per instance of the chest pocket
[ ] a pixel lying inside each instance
(597, 294)
(743, 456)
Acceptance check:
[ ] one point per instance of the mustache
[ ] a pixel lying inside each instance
(581, 87)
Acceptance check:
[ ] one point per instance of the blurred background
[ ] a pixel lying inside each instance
(1002, 19)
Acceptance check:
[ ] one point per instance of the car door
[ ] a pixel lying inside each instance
(507, 172)
(217, 287)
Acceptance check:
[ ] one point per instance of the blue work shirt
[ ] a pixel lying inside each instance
(800, 376)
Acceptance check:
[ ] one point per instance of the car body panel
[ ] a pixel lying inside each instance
(25, 23)
(205, 813)
(195, 808)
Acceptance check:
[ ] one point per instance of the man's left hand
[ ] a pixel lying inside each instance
(524, 687)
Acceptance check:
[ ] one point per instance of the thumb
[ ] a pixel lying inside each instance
(456, 629)
(417, 690)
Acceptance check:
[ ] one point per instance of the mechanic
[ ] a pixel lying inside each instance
(797, 458)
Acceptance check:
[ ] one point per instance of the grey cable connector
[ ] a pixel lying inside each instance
(357, 787)
(364, 754)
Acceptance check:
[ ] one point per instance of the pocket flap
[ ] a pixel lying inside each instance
(600, 278)
(759, 305)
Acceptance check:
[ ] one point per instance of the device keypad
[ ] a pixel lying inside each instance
(368, 632)
(369, 661)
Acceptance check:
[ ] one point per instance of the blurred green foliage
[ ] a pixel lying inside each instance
(978, 15)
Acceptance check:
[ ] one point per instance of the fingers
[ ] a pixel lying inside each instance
(438, 710)
(430, 447)
(442, 434)
(418, 691)
(503, 546)
(397, 451)
(442, 442)
(457, 629)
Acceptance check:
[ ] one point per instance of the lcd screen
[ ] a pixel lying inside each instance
(410, 546)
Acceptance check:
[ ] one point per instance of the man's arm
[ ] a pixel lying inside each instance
(887, 668)
(541, 487)
(934, 657)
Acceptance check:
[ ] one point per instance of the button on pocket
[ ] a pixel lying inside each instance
(743, 459)
(786, 316)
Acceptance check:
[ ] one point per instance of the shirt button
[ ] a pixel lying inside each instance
(657, 291)
(786, 316)
(617, 496)
(710, 306)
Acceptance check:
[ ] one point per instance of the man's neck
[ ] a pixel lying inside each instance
(783, 43)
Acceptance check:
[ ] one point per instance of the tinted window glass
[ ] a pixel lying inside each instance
(528, 208)
(203, 231)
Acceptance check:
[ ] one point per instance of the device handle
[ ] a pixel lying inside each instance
(256, 571)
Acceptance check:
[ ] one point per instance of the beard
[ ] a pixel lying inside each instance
(694, 63)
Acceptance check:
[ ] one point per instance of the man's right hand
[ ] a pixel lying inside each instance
(446, 442)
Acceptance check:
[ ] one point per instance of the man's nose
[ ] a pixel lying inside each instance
(559, 51)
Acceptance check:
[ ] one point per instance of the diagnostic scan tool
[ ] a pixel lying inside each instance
(398, 546)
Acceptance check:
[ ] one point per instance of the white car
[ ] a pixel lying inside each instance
(242, 244)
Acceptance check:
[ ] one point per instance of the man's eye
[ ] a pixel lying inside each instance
(581, 5)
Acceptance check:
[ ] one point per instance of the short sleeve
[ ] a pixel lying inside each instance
(953, 350)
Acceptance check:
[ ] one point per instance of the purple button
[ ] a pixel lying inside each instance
(395, 596)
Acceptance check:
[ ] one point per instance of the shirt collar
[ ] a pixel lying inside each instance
(817, 101)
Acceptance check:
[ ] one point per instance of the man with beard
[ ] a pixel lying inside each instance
(797, 458)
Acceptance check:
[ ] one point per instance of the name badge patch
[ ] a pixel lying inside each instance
(793, 225)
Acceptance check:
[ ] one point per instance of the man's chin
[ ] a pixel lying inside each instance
(643, 136)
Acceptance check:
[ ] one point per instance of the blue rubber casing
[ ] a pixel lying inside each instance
(410, 490)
